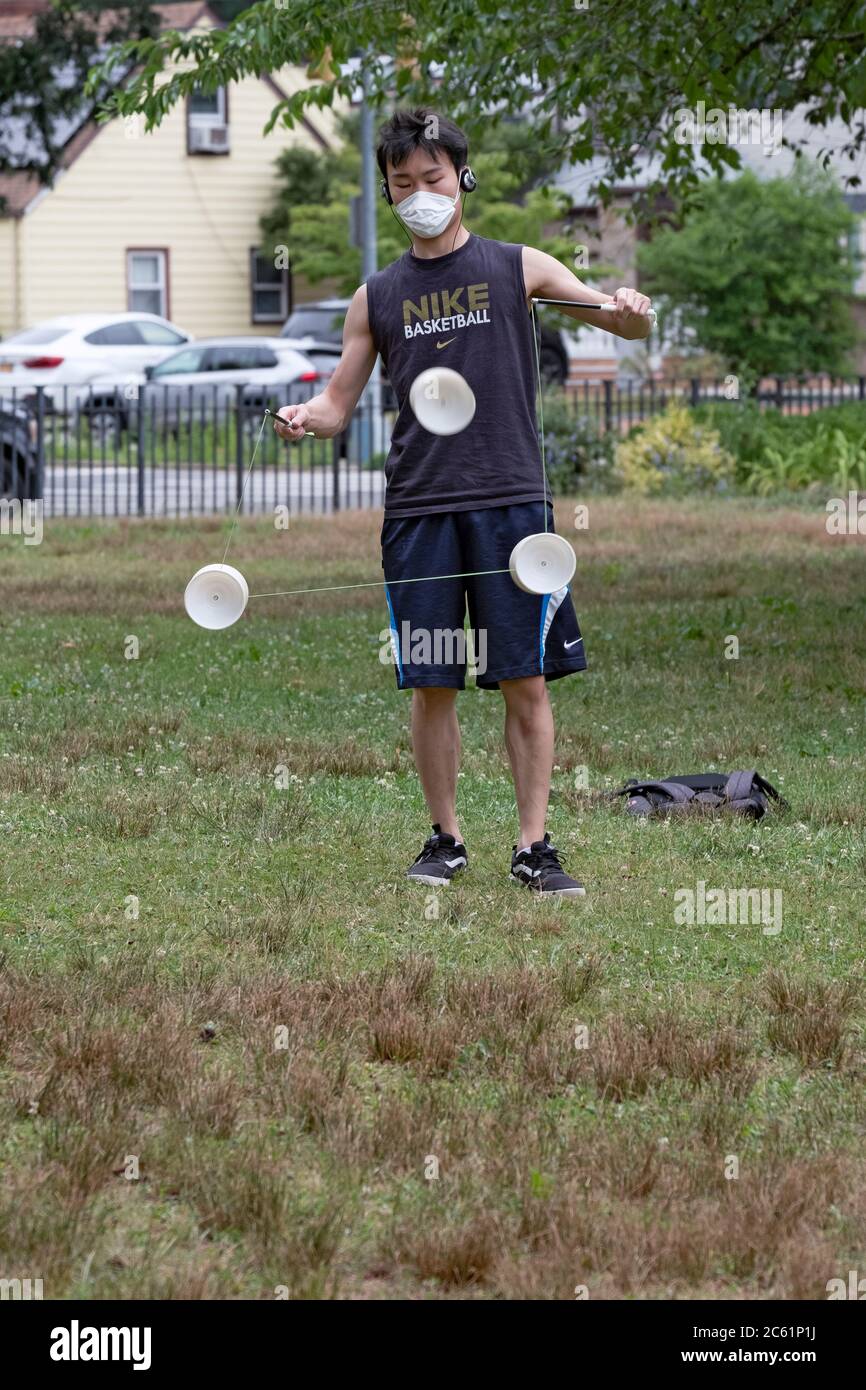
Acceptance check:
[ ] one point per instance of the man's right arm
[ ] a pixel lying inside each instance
(330, 412)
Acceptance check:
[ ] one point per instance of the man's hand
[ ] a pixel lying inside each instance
(632, 314)
(297, 417)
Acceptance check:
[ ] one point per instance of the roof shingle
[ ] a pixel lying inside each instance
(18, 19)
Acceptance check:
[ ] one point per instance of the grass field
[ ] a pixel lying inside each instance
(240, 1056)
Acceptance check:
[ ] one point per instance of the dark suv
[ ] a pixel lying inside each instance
(18, 459)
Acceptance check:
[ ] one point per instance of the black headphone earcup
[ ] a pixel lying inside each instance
(383, 189)
(468, 181)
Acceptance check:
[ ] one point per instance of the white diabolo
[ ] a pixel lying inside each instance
(542, 563)
(216, 596)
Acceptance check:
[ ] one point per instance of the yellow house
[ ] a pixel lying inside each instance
(166, 222)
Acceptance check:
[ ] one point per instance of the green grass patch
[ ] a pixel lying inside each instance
(241, 1055)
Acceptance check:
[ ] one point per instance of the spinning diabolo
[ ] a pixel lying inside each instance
(216, 596)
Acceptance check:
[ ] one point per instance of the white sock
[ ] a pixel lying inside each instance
(521, 848)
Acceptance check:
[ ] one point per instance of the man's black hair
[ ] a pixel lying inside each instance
(406, 131)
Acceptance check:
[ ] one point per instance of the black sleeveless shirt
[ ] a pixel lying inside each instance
(466, 310)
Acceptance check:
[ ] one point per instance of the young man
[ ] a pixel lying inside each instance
(460, 503)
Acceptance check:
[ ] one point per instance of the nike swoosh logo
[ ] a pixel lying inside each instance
(445, 344)
(572, 644)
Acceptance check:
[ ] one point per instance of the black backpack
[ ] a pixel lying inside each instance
(746, 793)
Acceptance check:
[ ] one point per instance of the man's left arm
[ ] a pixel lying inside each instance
(547, 278)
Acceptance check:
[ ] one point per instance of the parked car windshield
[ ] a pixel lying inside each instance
(190, 360)
(157, 335)
(123, 334)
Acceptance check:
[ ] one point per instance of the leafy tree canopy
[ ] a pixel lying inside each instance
(606, 78)
(760, 273)
(42, 77)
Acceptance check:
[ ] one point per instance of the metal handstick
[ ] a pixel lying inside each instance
(283, 421)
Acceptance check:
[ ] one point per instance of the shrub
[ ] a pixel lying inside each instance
(774, 451)
(746, 431)
(829, 458)
(577, 455)
(673, 453)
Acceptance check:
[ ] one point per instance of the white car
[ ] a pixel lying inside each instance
(73, 353)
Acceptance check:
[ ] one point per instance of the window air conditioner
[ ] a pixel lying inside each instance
(209, 139)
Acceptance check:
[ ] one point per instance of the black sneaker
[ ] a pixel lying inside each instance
(539, 868)
(440, 859)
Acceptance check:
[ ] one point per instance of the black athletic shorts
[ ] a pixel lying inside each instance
(513, 634)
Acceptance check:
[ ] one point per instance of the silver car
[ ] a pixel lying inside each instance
(211, 377)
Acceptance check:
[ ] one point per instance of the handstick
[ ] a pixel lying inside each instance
(580, 304)
(274, 416)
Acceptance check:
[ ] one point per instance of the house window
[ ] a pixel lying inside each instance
(207, 122)
(208, 105)
(270, 287)
(147, 282)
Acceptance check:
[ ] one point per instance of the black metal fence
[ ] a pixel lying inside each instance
(157, 450)
(618, 405)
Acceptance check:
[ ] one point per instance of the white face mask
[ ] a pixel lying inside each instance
(427, 214)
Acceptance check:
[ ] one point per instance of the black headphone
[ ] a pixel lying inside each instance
(468, 183)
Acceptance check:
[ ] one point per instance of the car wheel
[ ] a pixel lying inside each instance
(17, 475)
(106, 426)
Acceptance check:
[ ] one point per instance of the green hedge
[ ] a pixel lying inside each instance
(719, 445)
(775, 452)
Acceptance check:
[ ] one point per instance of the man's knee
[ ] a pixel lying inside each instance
(525, 698)
(528, 691)
(433, 696)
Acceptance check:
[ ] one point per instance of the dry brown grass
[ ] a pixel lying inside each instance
(457, 1256)
(221, 1129)
(631, 1056)
(247, 752)
(811, 1018)
(34, 776)
(769, 1227)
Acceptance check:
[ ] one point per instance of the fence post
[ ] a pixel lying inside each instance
(339, 448)
(780, 393)
(239, 441)
(861, 388)
(695, 387)
(608, 405)
(139, 439)
(40, 445)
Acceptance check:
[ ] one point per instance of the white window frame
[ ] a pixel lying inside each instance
(267, 286)
(160, 284)
(208, 118)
